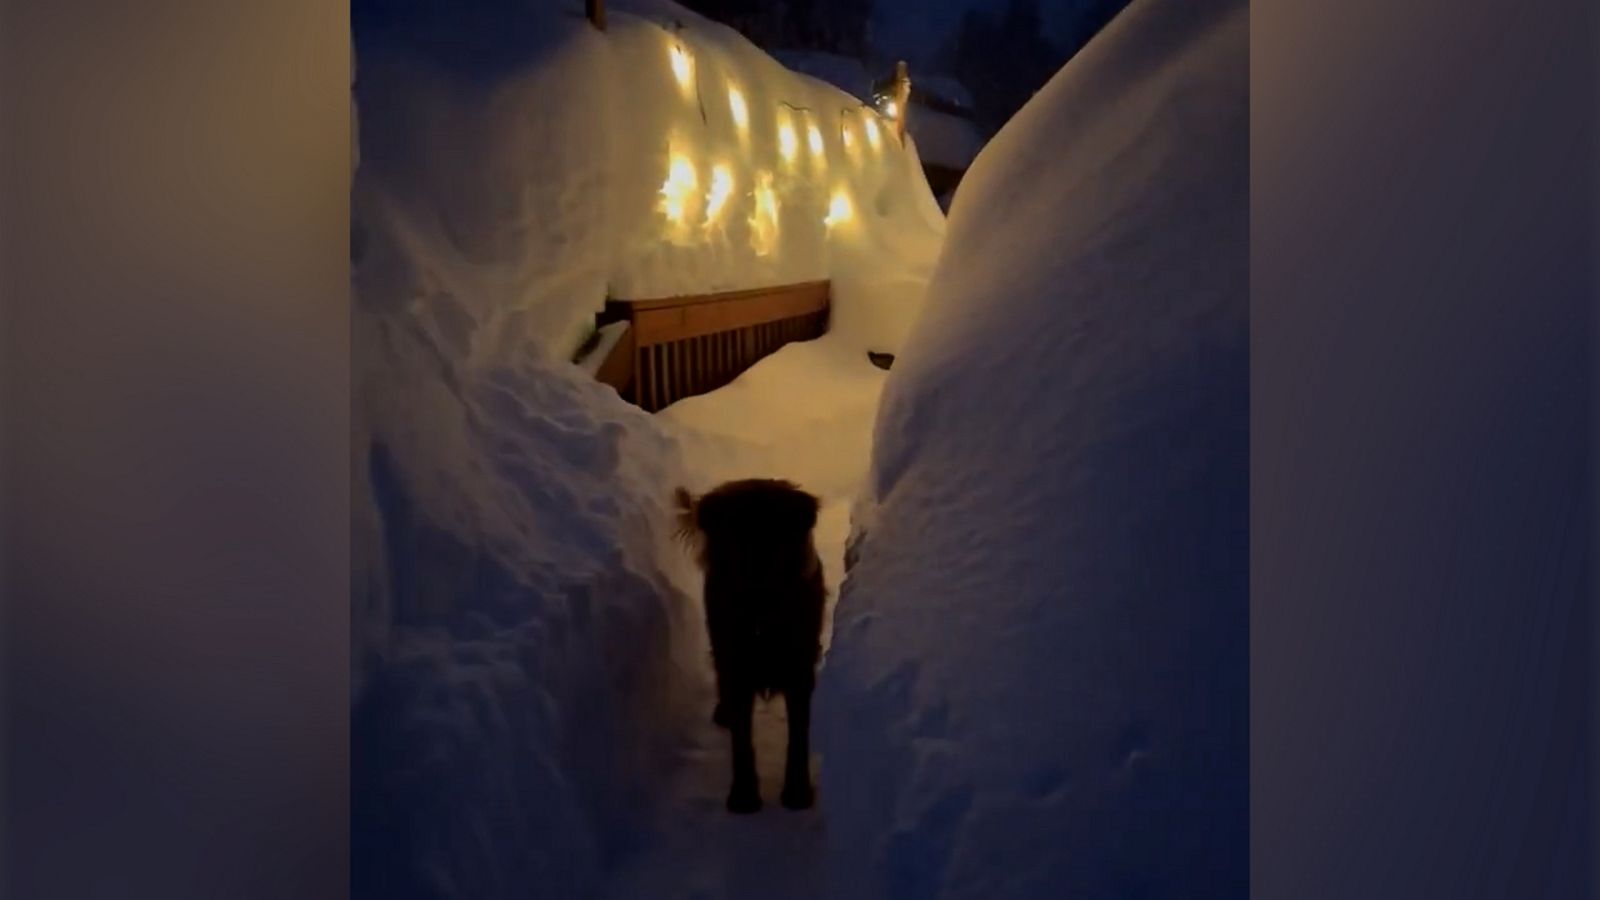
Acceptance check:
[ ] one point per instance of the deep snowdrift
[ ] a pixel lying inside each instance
(1038, 681)
(526, 641)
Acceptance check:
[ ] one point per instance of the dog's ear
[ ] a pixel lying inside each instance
(690, 531)
(717, 514)
(686, 508)
(800, 509)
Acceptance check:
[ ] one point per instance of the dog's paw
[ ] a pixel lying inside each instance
(744, 800)
(797, 795)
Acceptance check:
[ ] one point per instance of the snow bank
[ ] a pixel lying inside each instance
(556, 181)
(524, 621)
(527, 646)
(1038, 680)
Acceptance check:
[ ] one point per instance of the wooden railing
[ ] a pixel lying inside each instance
(682, 346)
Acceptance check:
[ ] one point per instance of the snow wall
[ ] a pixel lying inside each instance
(523, 630)
(1038, 685)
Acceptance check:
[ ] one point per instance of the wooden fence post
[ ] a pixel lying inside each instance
(596, 11)
(902, 99)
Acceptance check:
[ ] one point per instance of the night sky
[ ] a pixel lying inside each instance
(915, 29)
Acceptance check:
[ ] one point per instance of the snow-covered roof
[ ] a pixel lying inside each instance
(944, 87)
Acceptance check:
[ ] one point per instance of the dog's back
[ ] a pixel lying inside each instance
(764, 589)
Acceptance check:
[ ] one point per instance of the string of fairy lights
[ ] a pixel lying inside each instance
(681, 192)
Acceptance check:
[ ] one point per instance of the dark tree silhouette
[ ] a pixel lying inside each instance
(834, 26)
(1004, 58)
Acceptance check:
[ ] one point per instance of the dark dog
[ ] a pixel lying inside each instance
(764, 599)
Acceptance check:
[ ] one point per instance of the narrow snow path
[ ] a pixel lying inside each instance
(696, 850)
(804, 413)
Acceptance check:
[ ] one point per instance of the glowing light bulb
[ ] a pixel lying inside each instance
(891, 109)
(682, 66)
(848, 138)
(721, 188)
(787, 143)
(838, 209)
(678, 190)
(741, 113)
(872, 131)
(814, 139)
(764, 218)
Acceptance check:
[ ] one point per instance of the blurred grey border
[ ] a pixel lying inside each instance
(176, 415)
(1423, 293)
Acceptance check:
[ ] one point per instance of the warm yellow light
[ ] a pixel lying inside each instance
(787, 143)
(741, 113)
(721, 188)
(847, 137)
(682, 66)
(814, 139)
(891, 109)
(872, 131)
(764, 219)
(838, 208)
(679, 189)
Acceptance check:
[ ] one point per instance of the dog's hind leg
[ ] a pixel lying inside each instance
(797, 790)
(739, 709)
